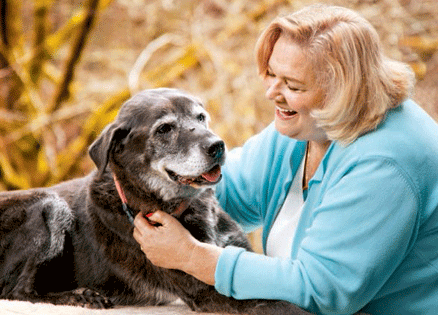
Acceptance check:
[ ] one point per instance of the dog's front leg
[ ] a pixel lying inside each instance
(211, 301)
(24, 290)
(80, 297)
(201, 297)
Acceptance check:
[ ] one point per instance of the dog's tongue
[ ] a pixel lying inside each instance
(213, 175)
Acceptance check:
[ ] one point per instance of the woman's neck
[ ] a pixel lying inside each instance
(314, 154)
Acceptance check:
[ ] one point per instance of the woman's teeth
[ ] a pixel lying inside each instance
(286, 112)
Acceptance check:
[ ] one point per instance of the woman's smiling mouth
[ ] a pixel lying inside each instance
(285, 113)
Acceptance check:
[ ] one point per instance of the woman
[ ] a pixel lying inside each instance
(344, 182)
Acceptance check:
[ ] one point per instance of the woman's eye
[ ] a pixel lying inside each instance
(164, 128)
(269, 73)
(201, 117)
(292, 88)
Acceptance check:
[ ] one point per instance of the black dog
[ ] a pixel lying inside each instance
(73, 244)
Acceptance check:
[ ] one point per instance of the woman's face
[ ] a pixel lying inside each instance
(290, 84)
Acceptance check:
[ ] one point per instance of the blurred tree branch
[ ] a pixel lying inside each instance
(62, 91)
(31, 129)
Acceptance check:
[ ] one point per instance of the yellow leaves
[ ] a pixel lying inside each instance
(13, 24)
(419, 67)
(11, 177)
(237, 126)
(61, 37)
(238, 22)
(36, 147)
(100, 117)
(425, 47)
(56, 40)
(178, 63)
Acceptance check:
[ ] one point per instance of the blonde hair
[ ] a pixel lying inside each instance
(359, 82)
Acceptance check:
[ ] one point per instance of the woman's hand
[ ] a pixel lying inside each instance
(168, 245)
(171, 246)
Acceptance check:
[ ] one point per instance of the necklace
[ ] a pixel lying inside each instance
(305, 172)
(312, 162)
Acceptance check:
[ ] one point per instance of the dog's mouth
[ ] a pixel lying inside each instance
(211, 177)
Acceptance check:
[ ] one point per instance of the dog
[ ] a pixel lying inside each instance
(72, 243)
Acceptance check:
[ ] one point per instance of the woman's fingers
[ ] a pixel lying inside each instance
(163, 239)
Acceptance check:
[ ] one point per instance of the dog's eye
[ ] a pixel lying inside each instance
(164, 128)
(201, 117)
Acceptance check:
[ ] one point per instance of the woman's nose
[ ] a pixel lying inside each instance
(273, 92)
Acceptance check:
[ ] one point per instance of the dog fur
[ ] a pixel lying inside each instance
(72, 243)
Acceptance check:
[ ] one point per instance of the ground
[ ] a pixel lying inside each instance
(27, 308)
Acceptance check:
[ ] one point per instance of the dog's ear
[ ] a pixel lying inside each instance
(101, 149)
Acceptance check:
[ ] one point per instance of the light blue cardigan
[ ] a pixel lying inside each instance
(368, 233)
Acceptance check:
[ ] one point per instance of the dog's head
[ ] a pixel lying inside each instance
(160, 142)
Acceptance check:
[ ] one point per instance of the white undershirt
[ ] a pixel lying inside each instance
(280, 237)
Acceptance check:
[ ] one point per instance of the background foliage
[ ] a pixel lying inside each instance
(66, 66)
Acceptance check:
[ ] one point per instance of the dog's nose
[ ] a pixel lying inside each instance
(216, 149)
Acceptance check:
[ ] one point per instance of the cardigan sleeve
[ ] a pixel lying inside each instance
(357, 232)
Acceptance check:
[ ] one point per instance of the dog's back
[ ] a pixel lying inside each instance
(34, 227)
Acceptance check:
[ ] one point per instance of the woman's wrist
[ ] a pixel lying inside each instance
(202, 261)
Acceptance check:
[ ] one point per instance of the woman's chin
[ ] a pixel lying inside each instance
(286, 128)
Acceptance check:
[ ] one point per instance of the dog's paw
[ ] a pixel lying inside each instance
(263, 307)
(89, 299)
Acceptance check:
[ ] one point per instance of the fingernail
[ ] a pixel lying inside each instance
(149, 214)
